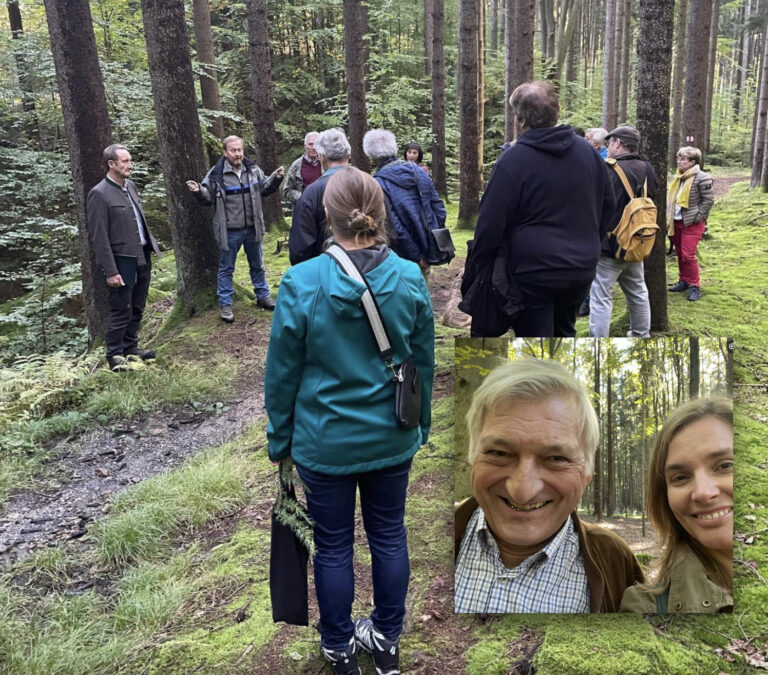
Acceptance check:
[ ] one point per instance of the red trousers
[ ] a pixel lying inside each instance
(686, 239)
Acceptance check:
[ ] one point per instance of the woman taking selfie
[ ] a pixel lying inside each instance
(330, 398)
(690, 506)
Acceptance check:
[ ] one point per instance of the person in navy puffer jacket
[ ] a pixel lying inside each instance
(413, 205)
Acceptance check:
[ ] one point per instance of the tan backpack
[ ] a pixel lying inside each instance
(637, 228)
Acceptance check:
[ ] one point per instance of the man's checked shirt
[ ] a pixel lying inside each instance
(552, 580)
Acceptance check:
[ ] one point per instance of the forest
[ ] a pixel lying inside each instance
(135, 507)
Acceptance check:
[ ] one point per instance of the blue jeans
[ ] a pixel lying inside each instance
(331, 504)
(235, 239)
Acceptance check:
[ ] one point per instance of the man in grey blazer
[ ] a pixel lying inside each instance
(122, 244)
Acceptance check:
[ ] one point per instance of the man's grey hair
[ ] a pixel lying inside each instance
(535, 104)
(308, 134)
(379, 144)
(110, 152)
(598, 134)
(533, 380)
(333, 145)
(230, 139)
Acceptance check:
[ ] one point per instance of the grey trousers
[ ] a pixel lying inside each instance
(632, 281)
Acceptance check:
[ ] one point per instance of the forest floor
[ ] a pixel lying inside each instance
(99, 578)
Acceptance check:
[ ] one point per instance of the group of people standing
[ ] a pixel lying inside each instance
(545, 249)
(334, 394)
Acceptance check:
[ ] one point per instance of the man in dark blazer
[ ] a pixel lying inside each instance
(122, 244)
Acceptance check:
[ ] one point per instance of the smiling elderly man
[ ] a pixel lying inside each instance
(520, 545)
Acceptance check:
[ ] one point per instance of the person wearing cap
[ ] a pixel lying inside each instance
(622, 147)
(689, 200)
(546, 208)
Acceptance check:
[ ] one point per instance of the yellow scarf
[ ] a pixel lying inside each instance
(686, 179)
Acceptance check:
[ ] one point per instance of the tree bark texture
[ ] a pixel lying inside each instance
(263, 111)
(354, 36)
(181, 151)
(469, 123)
(494, 27)
(711, 71)
(625, 74)
(510, 53)
(761, 115)
(209, 87)
(438, 98)
(84, 108)
(609, 73)
(22, 72)
(696, 67)
(677, 82)
(654, 53)
(520, 23)
(480, 91)
(429, 35)
(695, 369)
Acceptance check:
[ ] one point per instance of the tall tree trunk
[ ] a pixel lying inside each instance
(181, 151)
(480, 91)
(711, 71)
(31, 124)
(429, 34)
(494, 27)
(609, 75)
(438, 98)
(609, 446)
(263, 110)
(625, 79)
(761, 113)
(695, 369)
(566, 41)
(209, 87)
(597, 500)
(469, 122)
(696, 69)
(617, 47)
(520, 22)
(354, 36)
(677, 82)
(84, 108)
(654, 57)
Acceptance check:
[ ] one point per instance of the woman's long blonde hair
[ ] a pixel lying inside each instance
(672, 539)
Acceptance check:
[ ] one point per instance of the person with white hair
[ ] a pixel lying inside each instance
(308, 226)
(520, 544)
(303, 171)
(597, 137)
(414, 208)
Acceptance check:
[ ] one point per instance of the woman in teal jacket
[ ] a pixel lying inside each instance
(331, 405)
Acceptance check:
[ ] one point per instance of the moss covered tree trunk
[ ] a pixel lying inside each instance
(84, 108)
(654, 58)
(181, 152)
(263, 110)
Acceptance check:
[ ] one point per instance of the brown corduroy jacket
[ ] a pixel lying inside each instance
(610, 566)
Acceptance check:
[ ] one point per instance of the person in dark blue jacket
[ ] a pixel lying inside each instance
(330, 400)
(413, 205)
(546, 208)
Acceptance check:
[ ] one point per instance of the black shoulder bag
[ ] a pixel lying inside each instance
(406, 376)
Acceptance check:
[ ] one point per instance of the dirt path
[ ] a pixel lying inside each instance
(630, 530)
(89, 470)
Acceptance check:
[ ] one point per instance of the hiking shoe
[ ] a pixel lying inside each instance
(385, 653)
(143, 354)
(227, 314)
(344, 662)
(694, 294)
(117, 362)
(679, 287)
(266, 303)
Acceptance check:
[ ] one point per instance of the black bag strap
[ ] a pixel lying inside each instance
(369, 305)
